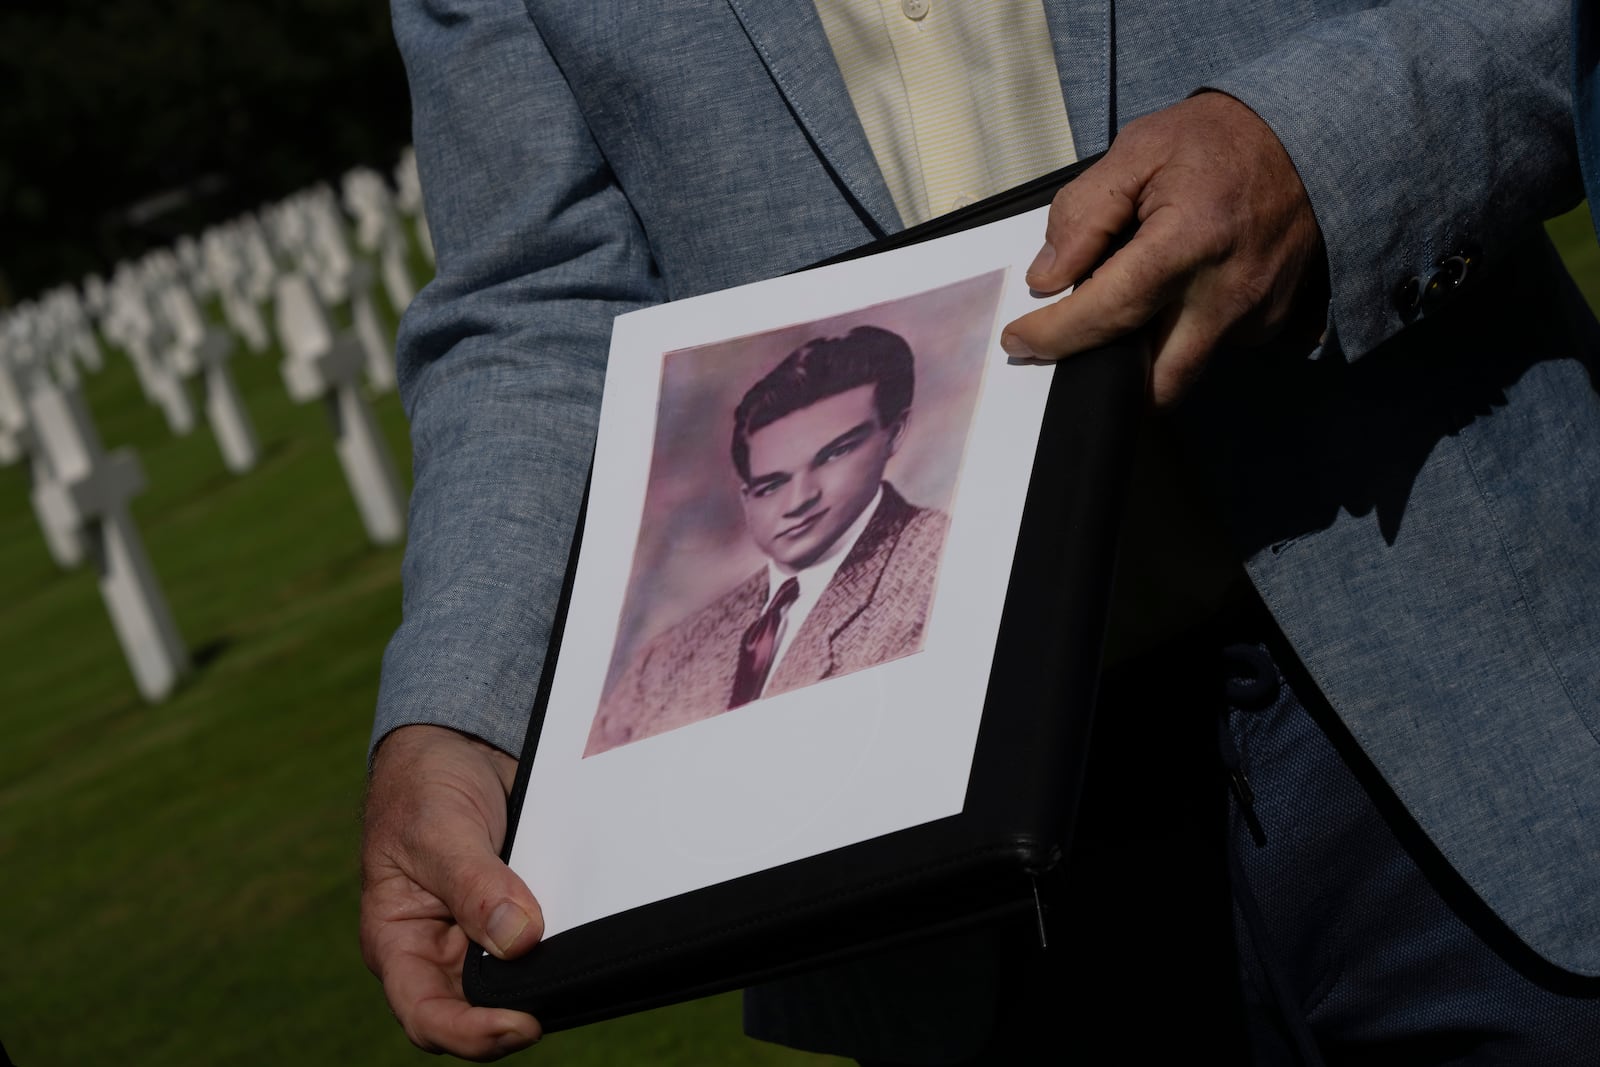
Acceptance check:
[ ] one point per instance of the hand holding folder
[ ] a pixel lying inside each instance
(984, 859)
(432, 879)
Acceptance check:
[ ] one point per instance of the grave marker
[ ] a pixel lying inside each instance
(379, 233)
(200, 350)
(375, 345)
(226, 272)
(130, 324)
(64, 540)
(409, 199)
(318, 365)
(91, 494)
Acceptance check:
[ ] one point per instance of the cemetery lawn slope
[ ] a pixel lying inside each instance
(181, 881)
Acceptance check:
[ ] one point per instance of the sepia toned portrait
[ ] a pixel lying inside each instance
(794, 518)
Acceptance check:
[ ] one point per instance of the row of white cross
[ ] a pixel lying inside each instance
(297, 255)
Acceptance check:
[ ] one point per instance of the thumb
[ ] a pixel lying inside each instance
(490, 903)
(444, 801)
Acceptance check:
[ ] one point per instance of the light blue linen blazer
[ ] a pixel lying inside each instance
(1417, 500)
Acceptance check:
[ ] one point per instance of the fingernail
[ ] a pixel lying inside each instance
(1016, 348)
(1042, 261)
(505, 926)
(514, 1040)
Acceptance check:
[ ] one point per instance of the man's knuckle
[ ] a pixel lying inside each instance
(1244, 298)
(475, 894)
(1209, 237)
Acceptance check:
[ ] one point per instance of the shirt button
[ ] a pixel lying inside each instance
(916, 10)
(962, 201)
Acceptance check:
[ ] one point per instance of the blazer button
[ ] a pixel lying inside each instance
(1454, 270)
(1408, 297)
(1452, 275)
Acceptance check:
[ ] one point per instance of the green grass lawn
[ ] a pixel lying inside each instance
(180, 881)
(1574, 234)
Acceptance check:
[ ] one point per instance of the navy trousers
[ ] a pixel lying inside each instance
(1351, 930)
(1244, 887)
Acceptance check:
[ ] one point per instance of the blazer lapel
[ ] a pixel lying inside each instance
(1083, 33)
(811, 657)
(789, 37)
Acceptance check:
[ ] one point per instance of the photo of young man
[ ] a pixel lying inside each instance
(848, 564)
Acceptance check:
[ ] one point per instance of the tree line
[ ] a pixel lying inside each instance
(125, 123)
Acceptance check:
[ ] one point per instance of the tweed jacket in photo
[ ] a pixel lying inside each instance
(874, 610)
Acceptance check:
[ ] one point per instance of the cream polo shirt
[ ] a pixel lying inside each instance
(959, 99)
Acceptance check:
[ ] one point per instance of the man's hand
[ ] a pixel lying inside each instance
(1227, 248)
(431, 877)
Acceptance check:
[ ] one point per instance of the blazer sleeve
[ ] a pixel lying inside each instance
(501, 361)
(1422, 129)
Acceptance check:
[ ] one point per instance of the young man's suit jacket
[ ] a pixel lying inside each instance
(1416, 500)
(873, 610)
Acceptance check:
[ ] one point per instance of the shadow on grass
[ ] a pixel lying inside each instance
(222, 479)
(205, 655)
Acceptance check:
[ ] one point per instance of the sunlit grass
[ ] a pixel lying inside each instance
(180, 880)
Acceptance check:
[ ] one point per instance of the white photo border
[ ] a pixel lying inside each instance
(814, 769)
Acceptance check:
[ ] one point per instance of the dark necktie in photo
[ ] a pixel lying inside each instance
(760, 645)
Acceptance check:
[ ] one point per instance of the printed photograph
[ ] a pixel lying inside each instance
(794, 519)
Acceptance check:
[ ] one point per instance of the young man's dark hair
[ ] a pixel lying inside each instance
(824, 367)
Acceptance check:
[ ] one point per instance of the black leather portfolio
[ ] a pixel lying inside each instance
(1017, 818)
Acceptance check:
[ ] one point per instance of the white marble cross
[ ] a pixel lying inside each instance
(328, 254)
(192, 269)
(36, 334)
(96, 297)
(90, 494)
(311, 231)
(318, 365)
(201, 350)
(378, 232)
(375, 343)
(409, 198)
(397, 281)
(18, 378)
(226, 271)
(129, 323)
(15, 440)
(68, 324)
(262, 274)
